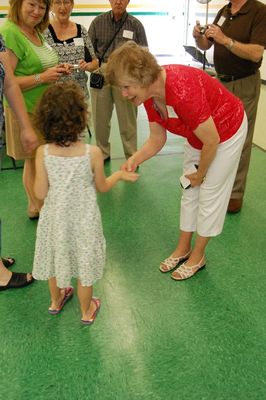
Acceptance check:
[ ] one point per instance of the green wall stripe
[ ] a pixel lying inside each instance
(91, 14)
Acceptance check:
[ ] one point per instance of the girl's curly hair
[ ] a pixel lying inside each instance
(61, 115)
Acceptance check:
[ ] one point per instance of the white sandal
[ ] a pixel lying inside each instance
(186, 271)
(171, 262)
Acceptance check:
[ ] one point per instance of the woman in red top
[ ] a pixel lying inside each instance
(187, 102)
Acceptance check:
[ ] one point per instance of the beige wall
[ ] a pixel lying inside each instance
(260, 127)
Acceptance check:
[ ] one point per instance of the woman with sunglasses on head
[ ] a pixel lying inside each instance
(35, 66)
(72, 42)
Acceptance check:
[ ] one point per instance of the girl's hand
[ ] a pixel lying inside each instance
(129, 176)
(195, 179)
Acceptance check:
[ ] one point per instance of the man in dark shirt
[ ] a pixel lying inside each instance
(238, 34)
(101, 31)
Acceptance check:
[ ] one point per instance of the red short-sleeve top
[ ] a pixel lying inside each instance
(192, 96)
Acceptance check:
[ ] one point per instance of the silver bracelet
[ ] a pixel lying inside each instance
(37, 78)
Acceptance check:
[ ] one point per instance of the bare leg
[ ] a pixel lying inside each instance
(180, 254)
(56, 293)
(5, 275)
(195, 261)
(34, 205)
(198, 251)
(87, 306)
(184, 244)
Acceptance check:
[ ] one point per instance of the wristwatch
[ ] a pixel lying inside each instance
(230, 45)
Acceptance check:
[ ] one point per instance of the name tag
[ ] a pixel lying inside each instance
(171, 112)
(221, 20)
(127, 34)
(78, 41)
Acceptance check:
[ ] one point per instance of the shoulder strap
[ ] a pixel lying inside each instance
(111, 41)
(79, 30)
(52, 32)
(87, 149)
(46, 149)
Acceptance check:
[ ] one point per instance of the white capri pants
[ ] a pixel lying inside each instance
(203, 208)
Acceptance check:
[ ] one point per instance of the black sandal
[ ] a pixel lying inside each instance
(17, 280)
(8, 261)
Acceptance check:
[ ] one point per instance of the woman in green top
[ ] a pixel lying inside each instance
(35, 65)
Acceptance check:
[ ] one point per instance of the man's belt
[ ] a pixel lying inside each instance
(230, 78)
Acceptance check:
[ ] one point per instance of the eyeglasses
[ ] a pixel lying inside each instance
(62, 2)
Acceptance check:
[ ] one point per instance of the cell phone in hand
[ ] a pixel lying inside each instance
(185, 182)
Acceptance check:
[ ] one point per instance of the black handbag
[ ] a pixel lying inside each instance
(97, 78)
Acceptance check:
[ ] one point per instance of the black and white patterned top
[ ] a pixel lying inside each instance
(73, 50)
(2, 77)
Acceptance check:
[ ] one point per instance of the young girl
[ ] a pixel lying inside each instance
(70, 241)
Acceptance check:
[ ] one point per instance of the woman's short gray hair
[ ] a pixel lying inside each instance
(134, 63)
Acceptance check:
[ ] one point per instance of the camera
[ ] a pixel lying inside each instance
(203, 29)
(75, 67)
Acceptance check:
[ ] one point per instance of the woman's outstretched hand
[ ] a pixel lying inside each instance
(130, 165)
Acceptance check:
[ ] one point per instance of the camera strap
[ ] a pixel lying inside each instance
(113, 38)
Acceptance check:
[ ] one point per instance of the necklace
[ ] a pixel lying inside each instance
(32, 36)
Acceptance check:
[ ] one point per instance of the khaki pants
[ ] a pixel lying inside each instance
(248, 90)
(103, 101)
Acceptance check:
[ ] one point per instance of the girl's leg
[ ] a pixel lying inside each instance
(34, 205)
(56, 293)
(87, 306)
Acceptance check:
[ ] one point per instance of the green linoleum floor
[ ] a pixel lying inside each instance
(202, 339)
